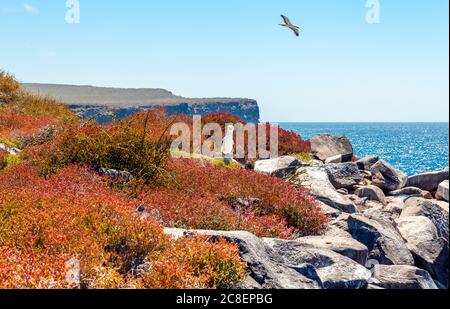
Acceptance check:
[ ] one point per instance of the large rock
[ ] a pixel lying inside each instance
(335, 231)
(428, 181)
(436, 211)
(335, 159)
(366, 163)
(411, 191)
(344, 246)
(402, 277)
(344, 175)
(372, 193)
(387, 177)
(384, 243)
(334, 270)
(278, 167)
(330, 212)
(430, 250)
(266, 267)
(316, 180)
(327, 146)
(442, 192)
(395, 207)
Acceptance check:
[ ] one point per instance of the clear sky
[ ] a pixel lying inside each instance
(340, 69)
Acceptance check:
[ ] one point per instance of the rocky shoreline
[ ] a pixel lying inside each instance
(386, 230)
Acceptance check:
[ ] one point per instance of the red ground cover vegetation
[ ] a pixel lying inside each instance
(55, 208)
(46, 222)
(14, 125)
(289, 142)
(202, 196)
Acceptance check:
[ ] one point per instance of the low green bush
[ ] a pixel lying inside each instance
(118, 146)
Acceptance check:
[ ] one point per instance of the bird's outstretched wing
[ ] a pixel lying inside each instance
(296, 31)
(286, 20)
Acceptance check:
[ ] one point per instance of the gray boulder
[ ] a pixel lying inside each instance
(115, 174)
(278, 167)
(335, 231)
(266, 267)
(372, 193)
(387, 177)
(330, 212)
(436, 211)
(428, 181)
(384, 243)
(334, 270)
(402, 277)
(343, 175)
(411, 191)
(343, 245)
(430, 250)
(442, 192)
(395, 207)
(335, 159)
(366, 163)
(327, 146)
(316, 180)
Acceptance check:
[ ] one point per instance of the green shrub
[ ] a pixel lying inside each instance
(8, 143)
(10, 161)
(217, 162)
(303, 156)
(117, 146)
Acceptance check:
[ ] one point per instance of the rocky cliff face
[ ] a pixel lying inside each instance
(247, 110)
(106, 104)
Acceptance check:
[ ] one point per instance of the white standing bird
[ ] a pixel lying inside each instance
(228, 143)
(287, 23)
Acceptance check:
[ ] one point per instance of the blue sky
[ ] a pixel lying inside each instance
(340, 69)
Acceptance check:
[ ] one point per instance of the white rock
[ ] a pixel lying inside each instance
(427, 247)
(442, 192)
(402, 277)
(343, 245)
(428, 181)
(278, 167)
(316, 180)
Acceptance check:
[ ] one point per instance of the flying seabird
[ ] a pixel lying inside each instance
(287, 23)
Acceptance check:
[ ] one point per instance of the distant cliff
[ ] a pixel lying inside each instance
(106, 104)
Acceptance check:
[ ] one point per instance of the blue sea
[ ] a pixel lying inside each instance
(412, 147)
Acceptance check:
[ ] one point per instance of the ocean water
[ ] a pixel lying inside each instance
(412, 147)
